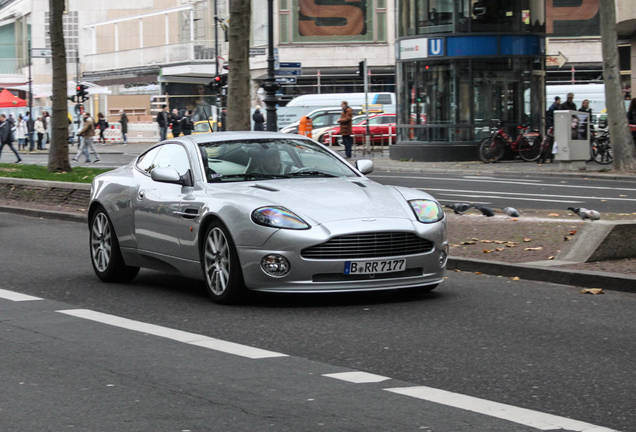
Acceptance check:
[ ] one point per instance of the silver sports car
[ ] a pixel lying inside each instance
(263, 211)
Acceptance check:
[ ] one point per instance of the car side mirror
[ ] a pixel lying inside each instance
(166, 175)
(365, 166)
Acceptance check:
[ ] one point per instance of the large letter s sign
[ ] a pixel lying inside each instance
(332, 17)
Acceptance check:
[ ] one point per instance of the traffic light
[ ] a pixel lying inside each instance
(71, 98)
(218, 82)
(82, 93)
(361, 69)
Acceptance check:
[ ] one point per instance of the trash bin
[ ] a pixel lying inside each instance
(571, 136)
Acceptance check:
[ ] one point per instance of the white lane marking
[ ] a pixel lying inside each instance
(535, 419)
(526, 182)
(526, 194)
(14, 296)
(511, 198)
(495, 178)
(358, 377)
(177, 335)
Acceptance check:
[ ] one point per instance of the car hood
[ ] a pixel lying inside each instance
(324, 200)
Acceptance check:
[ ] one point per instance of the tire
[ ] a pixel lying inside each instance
(221, 266)
(490, 150)
(106, 257)
(601, 152)
(529, 150)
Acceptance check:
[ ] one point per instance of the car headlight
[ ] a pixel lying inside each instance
(427, 211)
(278, 217)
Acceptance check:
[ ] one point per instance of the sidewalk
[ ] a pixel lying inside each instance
(532, 271)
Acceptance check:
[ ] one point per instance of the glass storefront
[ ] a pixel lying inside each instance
(464, 65)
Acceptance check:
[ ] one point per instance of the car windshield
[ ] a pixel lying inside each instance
(258, 159)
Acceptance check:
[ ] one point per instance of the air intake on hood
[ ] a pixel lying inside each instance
(264, 187)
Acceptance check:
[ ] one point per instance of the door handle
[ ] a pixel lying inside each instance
(140, 195)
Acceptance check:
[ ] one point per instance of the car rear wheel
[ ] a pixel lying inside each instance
(221, 267)
(106, 257)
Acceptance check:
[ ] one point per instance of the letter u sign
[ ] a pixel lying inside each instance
(436, 47)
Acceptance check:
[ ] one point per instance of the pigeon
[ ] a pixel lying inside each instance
(486, 211)
(511, 211)
(459, 208)
(584, 213)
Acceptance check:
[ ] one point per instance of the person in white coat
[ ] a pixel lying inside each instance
(21, 133)
(40, 131)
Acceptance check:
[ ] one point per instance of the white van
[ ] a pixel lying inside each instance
(301, 105)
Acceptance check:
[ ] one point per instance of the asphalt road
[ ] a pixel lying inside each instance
(542, 347)
(525, 191)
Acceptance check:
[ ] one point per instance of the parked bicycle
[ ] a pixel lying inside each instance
(601, 147)
(547, 145)
(527, 144)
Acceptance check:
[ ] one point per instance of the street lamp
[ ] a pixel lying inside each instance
(270, 85)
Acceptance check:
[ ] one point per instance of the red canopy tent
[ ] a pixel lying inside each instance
(8, 100)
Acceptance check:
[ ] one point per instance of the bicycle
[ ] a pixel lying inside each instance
(601, 148)
(527, 144)
(547, 144)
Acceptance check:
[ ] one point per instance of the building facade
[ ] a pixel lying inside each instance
(461, 67)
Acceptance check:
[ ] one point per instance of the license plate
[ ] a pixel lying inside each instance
(379, 266)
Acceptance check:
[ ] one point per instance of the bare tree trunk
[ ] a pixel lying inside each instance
(238, 100)
(624, 152)
(58, 152)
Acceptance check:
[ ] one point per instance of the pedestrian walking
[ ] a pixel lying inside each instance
(345, 127)
(102, 125)
(163, 120)
(30, 123)
(631, 118)
(21, 133)
(187, 124)
(87, 133)
(175, 121)
(549, 117)
(259, 120)
(123, 121)
(569, 103)
(40, 131)
(46, 119)
(6, 137)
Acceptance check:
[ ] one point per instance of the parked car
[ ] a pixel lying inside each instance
(263, 211)
(321, 119)
(379, 127)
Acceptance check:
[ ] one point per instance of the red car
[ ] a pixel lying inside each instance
(379, 126)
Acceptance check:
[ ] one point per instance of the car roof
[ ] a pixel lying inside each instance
(237, 136)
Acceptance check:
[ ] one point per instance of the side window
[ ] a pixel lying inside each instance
(375, 121)
(173, 156)
(321, 121)
(201, 127)
(146, 161)
(389, 119)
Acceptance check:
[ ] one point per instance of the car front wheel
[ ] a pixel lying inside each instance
(221, 267)
(106, 257)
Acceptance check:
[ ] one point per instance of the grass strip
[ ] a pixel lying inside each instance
(37, 172)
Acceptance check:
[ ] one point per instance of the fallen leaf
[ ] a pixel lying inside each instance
(511, 245)
(500, 242)
(623, 195)
(515, 278)
(551, 257)
(534, 248)
(487, 241)
(526, 239)
(487, 250)
(514, 219)
(469, 242)
(477, 273)
(566, 238)
(603, 200)
(456, 245)
(554, 214)
(592, 291)
(457, 270)
(625, 214)
(475, 239)
(499, 249)
(572, 232)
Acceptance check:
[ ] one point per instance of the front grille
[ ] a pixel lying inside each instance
(369, 245)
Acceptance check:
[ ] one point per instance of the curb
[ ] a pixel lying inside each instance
(580, 278)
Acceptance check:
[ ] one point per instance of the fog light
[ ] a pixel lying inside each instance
(275, 265)
(443, 256)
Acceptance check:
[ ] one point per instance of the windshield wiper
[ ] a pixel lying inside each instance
(311, 173)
